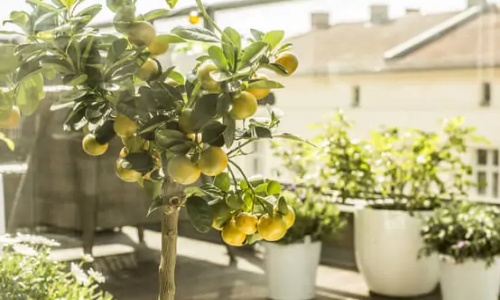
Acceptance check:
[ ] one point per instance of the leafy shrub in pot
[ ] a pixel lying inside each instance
(467, 237)
(316, 219)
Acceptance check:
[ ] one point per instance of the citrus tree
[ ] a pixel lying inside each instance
(174, 127)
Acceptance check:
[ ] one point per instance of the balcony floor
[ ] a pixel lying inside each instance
(204, 273)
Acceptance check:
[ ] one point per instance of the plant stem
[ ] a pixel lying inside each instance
(210, 21)
(240, 146)
(174, 196)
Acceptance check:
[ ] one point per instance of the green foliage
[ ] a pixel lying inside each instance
(116, 75)
(416, 169)
(314, 217)
(344, 162)
(395, 169)
(463, 231)
(316, 171)
(27, 273)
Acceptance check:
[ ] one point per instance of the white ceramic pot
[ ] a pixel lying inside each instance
(291, 270)
(387, 243)
(469, 280)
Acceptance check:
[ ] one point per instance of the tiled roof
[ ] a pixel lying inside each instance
(476, 43)
(360, 47)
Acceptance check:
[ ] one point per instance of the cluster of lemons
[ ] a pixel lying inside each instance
(235, 229)
(125, 128)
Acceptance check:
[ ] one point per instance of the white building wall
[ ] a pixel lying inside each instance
(405, 100)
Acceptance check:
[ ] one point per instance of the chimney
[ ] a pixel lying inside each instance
(412, 11)
(472, 3)
(379, 13)
(320, 20)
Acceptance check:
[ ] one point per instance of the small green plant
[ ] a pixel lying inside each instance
(335, 164)
(28, 273)
(345, 162)
(463, 231)
(417, 169)
(314, 217)
(316, 171)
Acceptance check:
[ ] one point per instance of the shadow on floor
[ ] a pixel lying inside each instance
(199, 280)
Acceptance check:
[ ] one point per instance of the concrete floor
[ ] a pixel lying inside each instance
(203, 273)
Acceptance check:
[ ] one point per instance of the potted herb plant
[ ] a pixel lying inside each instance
(467, 238)
(415, 170)
(28, 271)
(316, 220)
(291, 263)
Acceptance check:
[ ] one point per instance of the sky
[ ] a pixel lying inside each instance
(293, 17)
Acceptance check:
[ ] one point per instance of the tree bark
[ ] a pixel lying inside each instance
(174, 196)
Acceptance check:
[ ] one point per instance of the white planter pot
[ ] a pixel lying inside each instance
(291, 270)
(469, 280)
(387, 243)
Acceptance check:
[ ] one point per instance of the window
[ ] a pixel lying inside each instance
(256, 159)
(487, 172)
(356, 96)
(486, 94)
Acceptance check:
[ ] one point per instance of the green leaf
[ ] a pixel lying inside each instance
(43, 4)
(253, 53)
(118, 48)
(217, 56)
(265, 84)
(170, 38)
(91, 11)
(276, 68)
(231, 46)
(78, 80)
(29, 92)
(223, 104)
(193, 191)
(176, 76)
(68, 3)
(72, 95)
(223, 182)
(172, 3)
(156, 204)
(10, 143)
(289, 136)
(273, 38)
(285, 47)
(212, 134)
(9, 61)
(196, 34)
(200, 213)
(10, 32)
(153, 188)
(234, 201)
(282, 206)
(156, 14)
(273, 188)
(261, 132)
(204, 110)
(167, 138)
(115, 5)
(261, 188)
(257, 35)
(230, 130)
(234, 37)
(20, 18)
(133, 144)
(140, 161)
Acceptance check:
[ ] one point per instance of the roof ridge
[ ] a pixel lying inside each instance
(433, 33)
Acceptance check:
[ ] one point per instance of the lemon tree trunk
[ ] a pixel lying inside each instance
(169, 230)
